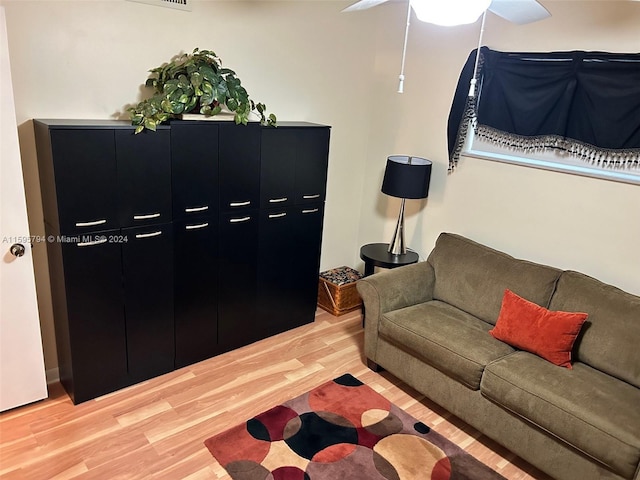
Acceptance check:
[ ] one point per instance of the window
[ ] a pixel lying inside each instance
(575, 112)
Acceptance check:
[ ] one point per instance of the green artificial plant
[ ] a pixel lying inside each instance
(195, 82)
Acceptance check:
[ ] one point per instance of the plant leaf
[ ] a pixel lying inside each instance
(207, 96)
(191, 105)
(178, 108)
(232, 104)
(196, 79)
(183, 81)
(170, 87)
(207, 72)
(167, 106)
(150, 124)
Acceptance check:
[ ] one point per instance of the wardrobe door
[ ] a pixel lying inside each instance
(84, 169)
(90, 323)
(196, 289)
(144, 176)
(238, 323)
(147, 262)
(288, 267)
(307, 241)
(239, 167)
(194, 169)
(311, 164)
(277, 167)
(278, 260)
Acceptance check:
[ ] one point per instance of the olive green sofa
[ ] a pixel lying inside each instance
(427, 324)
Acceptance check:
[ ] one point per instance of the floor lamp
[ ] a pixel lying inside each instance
(405, 177)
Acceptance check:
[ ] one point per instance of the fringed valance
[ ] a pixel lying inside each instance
(586, 104)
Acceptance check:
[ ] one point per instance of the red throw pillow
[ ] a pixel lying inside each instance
(527, 326)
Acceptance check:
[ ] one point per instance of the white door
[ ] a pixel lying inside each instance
(22, 375)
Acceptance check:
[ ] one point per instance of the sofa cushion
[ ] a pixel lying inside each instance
(590, 410)
(473, 277)
(446, 338)
(549, 334)
(609, 338)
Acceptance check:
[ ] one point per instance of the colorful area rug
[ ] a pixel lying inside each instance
(341, 430)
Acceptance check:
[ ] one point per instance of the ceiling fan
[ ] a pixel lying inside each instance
(460, 12)
(516, 11)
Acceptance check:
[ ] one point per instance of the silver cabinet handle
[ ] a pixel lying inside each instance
(313, 210)
(309, 197)
(92, 243)
(149, 235)
(195, 227)
(91, 224)
(278, 200)
(277, 215)
(240, 204)
(238, 220)
(146, 217)
(196, 209)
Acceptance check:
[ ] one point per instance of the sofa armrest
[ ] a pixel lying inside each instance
(391, 290)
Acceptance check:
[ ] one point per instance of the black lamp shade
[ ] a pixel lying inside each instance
(407, 177)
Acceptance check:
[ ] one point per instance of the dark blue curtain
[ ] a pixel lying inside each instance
(585, 103)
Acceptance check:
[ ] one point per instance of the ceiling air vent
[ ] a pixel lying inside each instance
(177, 4)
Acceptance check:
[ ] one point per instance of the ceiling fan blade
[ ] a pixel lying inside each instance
(363, 5)
(519, 11)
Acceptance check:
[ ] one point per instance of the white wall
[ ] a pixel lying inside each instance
(307, 61)
(572, 222)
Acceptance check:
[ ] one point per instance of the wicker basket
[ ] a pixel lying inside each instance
(337, 292)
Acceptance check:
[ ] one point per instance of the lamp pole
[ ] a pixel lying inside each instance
(397, 245)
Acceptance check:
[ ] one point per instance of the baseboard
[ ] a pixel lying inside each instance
(52, 375)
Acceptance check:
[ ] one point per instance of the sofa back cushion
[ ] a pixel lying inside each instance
(609, 338)
(473, 277)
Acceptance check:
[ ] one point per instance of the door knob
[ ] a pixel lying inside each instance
(17, 249)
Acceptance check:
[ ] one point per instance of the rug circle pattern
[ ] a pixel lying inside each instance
(341, 429)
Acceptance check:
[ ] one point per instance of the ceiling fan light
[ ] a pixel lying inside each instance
(449, 13)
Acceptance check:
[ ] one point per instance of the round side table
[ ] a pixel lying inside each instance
(376, 255)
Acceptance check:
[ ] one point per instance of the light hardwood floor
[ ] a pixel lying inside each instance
(156, 429)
